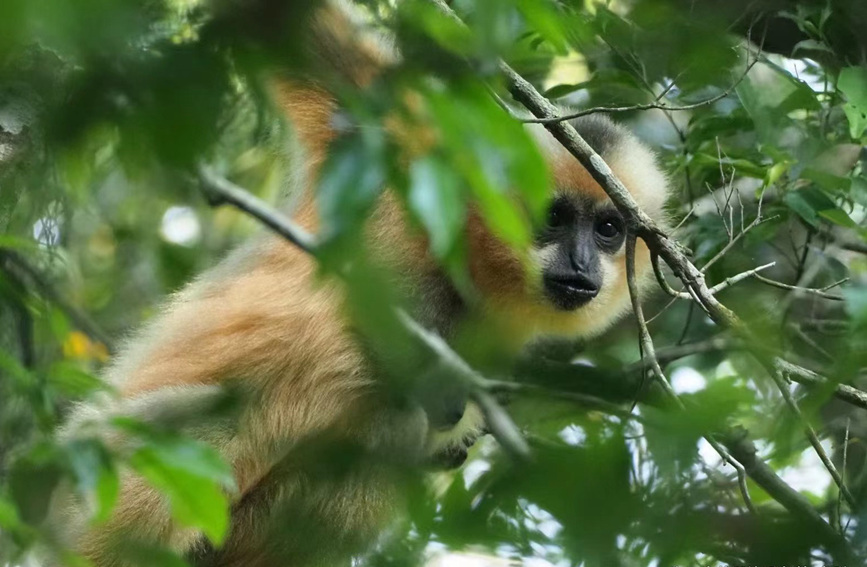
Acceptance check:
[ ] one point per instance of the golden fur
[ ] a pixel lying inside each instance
(264, 320)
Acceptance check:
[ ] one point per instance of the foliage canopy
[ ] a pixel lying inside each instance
(759, 112)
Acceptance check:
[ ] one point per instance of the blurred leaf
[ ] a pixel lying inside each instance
(853, 84)
(827, 181)
(497, 158)
(32, 480)
(810, 45)
(13, 369)
(558, 91)
(194, 457)
(808, 202)
(193, 476)
(435, 198)
(838, 217)
(353, 177)
(769, 94)
(72, 381)
(856, 306)
(550, 20)
(9, 519)
(195, 501)
(139, 554)
(19, 244)
(95, 475)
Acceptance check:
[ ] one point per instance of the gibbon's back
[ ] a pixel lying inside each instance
(307, 388)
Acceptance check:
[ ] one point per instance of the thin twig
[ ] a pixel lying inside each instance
(683, 220)
(756, 222)
(728, 282)
(650, 355)
(806, 339)
(783, 386)
(812, 291)
(835, 284)
(742, 476)
(586, 400)
(647, 106)
(669, 354)
(840, 492)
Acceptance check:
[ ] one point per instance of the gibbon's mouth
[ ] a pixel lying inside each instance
(569, 292)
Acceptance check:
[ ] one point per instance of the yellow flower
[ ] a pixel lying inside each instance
(78, 345)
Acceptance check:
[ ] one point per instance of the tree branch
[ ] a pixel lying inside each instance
(218, 190)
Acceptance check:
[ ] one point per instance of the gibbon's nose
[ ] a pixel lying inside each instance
(570, 291)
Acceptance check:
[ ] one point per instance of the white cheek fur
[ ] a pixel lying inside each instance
(545, 255)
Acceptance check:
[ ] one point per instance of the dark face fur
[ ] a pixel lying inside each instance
(577, 235)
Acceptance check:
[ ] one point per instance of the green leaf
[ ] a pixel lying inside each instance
(32, 480)
(9, 519)
(72, 381)
(12, 242)
(853, 84)
(192, 474)
(551, 23)
(825, 180)
(352, 179)
(195, 501)
(149, 555)
(562, 90)
(13, 369)
(769, 94)
(775, 172)
(95, 474)
(195, 457)
(811, 45)
(838, 217)
(436, 200)
(808, 202)
(856, 305)
(501, 163)
(859, 190)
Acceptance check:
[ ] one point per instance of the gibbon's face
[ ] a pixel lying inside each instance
(580, 240)
(573, 282)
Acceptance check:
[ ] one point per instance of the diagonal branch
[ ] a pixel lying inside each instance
(219, 190)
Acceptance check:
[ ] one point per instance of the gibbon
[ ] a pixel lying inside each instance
(263, 323)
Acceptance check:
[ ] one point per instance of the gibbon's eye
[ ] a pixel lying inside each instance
(610, 229)
(559, 214)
